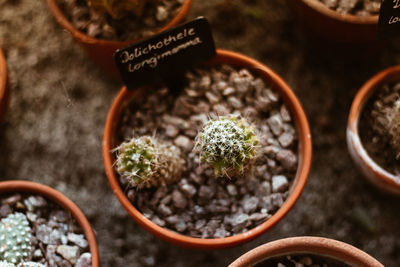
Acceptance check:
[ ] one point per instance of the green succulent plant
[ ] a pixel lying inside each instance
(228, 143)
(147, 162)
(15, 238)
(118, 8)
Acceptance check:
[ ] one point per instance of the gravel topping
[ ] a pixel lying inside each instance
(96, 24)
(201, 205)
(354, 7)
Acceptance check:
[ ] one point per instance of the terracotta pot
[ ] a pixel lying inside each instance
(332, 25)
(319, 246)
(371, 170)
(4, 94)
(100, 50)
(304, 136)
(60, 199)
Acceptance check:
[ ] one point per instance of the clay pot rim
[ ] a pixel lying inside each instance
(304, 162)
(326, 11)
(307, 244)
(362, 96)
(59, 198)
(3, 80)
(66, 24)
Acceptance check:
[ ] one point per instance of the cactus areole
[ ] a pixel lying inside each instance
(227, 143)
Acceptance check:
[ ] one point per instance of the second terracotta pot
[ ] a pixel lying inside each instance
(371, 170)
(304, 155)
(19, 186)
(101, 51)
(332, 25)
(318, 246)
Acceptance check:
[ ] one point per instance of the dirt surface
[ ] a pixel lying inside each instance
(376, 131)
(52, 131)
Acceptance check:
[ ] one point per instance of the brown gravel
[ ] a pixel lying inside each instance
(201, 205)
(354, 7)
(372, 130)
(101, 25)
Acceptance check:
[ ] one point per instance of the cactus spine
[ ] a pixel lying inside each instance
(147, 162)
(117, 8)
(227, 143)
(15, 238)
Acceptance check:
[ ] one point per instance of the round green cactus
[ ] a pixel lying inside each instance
(147, 162)
(228, 143)
(15, 238)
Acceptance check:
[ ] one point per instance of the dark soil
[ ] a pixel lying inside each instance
(101, 25)
(354, 7)
(301, 261)
(53, 230)
(203, 205)
(60, 99)
(373, 133)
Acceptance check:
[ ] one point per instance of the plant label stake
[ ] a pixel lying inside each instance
(166, 56)
(389, 19)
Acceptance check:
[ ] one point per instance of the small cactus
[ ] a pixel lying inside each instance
(147, 162)
(118, 8)
(15, 238)
(228, 143)
(394, 127)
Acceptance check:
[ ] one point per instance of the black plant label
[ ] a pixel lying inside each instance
(166, 56)
(389, 19)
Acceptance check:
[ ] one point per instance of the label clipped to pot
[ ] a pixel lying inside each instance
(389, 19)
(166, 56)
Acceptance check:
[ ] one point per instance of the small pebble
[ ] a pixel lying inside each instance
(78, 239)
(279, 183)
(70, 253)
(179, 199)
(85, 260)
(184, 143)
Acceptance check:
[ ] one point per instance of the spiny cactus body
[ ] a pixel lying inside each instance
(15, 238)
(394, 127)
(118, 8)
(228, 143)
(147, 162)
